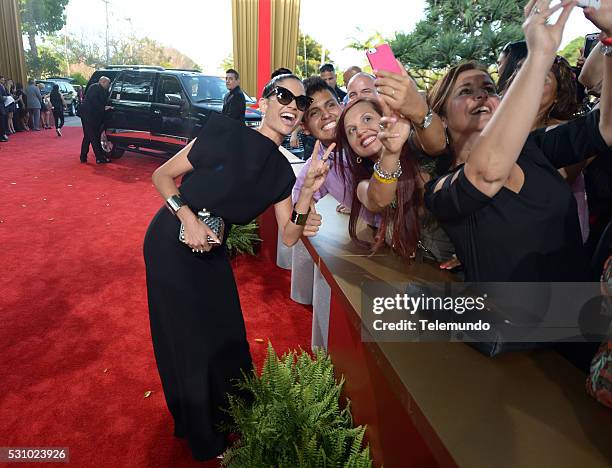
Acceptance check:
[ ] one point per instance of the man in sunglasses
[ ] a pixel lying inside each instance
(234, 104)
(319, 121)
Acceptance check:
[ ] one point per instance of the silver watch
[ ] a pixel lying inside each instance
(427, 120)
(174, 203)
(606, 50)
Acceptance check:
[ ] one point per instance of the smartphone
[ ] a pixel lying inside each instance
(589, 3)
(590, 41)
(381, 58)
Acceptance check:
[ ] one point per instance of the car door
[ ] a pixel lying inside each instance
(169, 122)
(130, 118)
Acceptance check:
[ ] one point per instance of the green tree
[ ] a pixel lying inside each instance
(367, 43)
(79, 78)
(227, 63)
(572, 50)
(40, 17)
(47, 63)
(309, 53)
(455, 30)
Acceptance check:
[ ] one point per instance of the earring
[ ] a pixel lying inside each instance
(359, 160)
(446, 136)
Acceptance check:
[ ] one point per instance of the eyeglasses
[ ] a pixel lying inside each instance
(284, 96)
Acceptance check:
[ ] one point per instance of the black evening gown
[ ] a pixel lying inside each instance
(197, 326)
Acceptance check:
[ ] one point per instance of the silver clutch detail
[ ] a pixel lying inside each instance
(215, 223)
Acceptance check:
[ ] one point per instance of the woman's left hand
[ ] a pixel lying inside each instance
(319, 167)
(394, 130)
(401, 94)
(602, 18)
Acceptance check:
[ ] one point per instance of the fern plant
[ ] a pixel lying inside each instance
(242, 239)
(290, 417)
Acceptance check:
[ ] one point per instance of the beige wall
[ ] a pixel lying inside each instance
(285, 30)
(244, 26)
(285, 17)
(12, 61)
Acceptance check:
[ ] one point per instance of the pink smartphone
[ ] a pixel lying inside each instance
(381, 58)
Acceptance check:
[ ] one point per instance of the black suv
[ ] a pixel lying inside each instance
(158, 111)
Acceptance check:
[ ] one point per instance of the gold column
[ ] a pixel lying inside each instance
(12, 59)
(285, 30)
(245, 28)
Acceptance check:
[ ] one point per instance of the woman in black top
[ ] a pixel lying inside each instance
(57, 101)
(505, 207)
(197, 327)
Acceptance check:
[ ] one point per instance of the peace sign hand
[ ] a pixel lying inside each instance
(394, 130)
(319, 168)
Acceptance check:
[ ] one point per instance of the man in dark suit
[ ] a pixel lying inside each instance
(92, 117)
(328, 73)
(234, 104)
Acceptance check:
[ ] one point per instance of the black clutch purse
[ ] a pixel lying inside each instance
(215, 223)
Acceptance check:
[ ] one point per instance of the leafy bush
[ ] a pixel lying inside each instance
(293, 417)
(242, 239)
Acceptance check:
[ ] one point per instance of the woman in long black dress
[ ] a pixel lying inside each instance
(197, 326)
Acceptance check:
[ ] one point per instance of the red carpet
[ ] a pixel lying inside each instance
(75, 345)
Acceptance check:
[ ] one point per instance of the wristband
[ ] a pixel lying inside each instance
(299, 219)
(607, 41)
(384, 181)
(174, 203)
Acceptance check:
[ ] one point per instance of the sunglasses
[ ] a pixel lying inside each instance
(284, 96)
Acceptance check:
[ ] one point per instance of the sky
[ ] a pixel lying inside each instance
(202, 29)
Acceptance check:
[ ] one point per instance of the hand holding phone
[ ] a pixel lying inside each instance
(381, 58)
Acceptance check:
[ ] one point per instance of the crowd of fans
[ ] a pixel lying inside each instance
(29, 109)
(498, 199)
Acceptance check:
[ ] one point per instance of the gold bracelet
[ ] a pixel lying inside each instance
(384, 181)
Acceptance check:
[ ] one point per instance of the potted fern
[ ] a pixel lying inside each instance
(242, 239)
(290, 416)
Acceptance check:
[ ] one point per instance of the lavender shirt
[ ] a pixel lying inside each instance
(335, 186)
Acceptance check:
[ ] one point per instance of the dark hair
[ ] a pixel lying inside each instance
(327, 67)
(234, 72)
(405, 215)
(565, 105)
(314, 84)
(55, 89)
(275, 81)
(514, 52)
(281, 71)
(18, 86)
(439, 94)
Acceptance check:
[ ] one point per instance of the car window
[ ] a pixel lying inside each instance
(204, 88)
(116, 89)
(47, 87)
(63, 88)
(169, 90)
(136, 87)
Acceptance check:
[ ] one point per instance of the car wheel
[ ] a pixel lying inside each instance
(117, 152)
(71, 110)
(109, 148)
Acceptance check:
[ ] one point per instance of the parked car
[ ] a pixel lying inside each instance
(158, 111)
(67, 90)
